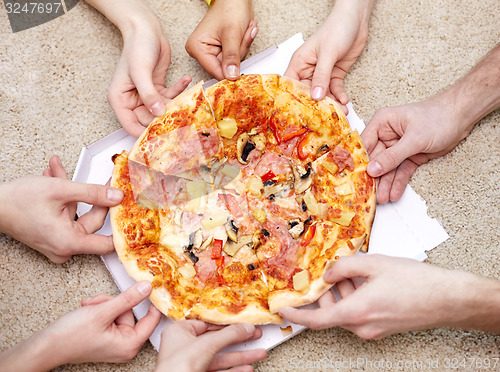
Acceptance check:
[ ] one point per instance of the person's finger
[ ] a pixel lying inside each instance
(229, 335)
(326, 299)
(94, 194)
(237, 358)
(322, 75)
(95, 300)
(231, 40)
(176, 89)
(143, 115)
(147, 324)
(401, 179)
(127, 300)
(57, 168)
(345, 288)
(321, 318)
(351, 267)
(93, 219)
(384, 187)
(338, 90)
(248, 38)
(89, 243)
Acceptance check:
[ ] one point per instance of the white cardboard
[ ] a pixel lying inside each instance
(401, 229)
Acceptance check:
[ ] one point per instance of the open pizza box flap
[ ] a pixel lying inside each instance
(401, 229)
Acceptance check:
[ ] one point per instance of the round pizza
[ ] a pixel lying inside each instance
(239, 198)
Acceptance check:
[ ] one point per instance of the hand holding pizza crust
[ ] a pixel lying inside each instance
(102, 330)
(223, 38)
(40, 212)
(400, 295)
(192, 345)
(325, 58)
(400, 139)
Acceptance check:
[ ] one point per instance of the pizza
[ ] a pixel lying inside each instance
(239, 198)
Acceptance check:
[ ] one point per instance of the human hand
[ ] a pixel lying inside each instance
(102, 330)
(137, 94)
(192, 345)
(400, 139)
(223, 38)
(40, 212)
(325, 58)
(397, 295)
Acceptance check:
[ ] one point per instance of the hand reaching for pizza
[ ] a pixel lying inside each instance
(325, 58)
(192, 345)
(223, 38)
(399, 295)
(40, 212)
(137, 93)
(400, 139)
(102, 330)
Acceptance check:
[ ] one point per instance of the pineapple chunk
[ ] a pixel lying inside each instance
(187, 271)
(230, 171)
(311, 203)
(330, 167)
(214, 220)
(227, 127)
(345, 189)
(345, 218)
(301, 281)
(196, 189)
(259, 215)
(255, 185)
(231, 248)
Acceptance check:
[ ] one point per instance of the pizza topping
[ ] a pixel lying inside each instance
(187, 271)
(259, 215)
(195, 240)
(232, 231)
(345, 189)
(315, 208)
(227, 127)
(309, 235)
(247, 142)
(216, 248)
(301, 281)
(231, 247)
(302, 177)
(215, 219)
(295, 228)
(345, 218)
(342, 158)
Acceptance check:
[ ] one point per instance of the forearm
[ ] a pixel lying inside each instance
(476, 94)
(359, 8)
(125, 14)
(32, 355)
(475, 304)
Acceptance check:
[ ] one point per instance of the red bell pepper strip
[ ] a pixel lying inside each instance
(269, 175)
(274, 128)
(216, 249)
(309, 235)
(297, 133)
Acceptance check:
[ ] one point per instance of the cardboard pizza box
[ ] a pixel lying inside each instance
(401, 229)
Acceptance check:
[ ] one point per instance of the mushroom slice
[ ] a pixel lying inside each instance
(302, 177)
(195, 240)
(231, 230)
(256, 239)
(206, 243)
(247, 142)
(295, 228)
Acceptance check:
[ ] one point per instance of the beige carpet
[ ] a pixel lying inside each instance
(52, 101)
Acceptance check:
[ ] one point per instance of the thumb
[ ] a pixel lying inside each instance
(150, 97)
(229, 335)
(105, 196)
(127, 300)
(321, 77)
(392, 157)
(231, 40)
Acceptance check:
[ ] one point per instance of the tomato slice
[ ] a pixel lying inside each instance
(216, 249)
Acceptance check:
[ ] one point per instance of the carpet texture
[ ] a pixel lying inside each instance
(54, 79)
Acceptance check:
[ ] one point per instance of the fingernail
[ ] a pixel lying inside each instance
(144, 287)
(254, 32)
(158, 109)
(114, 195)
(232, 71)
(317, 93)
(249, 328)
(374, 169)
